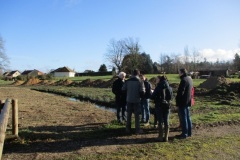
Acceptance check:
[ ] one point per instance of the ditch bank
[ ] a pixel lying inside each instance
(74, 97)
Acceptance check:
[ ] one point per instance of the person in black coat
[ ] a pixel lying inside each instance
(162, 107)
(183, 102)
(120, 97)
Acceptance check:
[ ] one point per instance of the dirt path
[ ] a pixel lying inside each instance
(55, 127)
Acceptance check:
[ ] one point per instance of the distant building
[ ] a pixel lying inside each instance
(12, 74)
(213, 73)
(63, 72)
(32, 73)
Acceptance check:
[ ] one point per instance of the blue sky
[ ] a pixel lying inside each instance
(47, 34)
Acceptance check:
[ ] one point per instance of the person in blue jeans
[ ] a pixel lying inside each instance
(183, 102)
(145, 100)
(162, 107)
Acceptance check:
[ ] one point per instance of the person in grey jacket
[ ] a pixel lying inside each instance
(135, 89)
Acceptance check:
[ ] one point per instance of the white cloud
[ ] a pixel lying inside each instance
(219, 54)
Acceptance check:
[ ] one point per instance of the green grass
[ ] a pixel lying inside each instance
(206, 110)
(173, 78)
(96, 95)
(79, 79)
(2, 82)
(198, 148)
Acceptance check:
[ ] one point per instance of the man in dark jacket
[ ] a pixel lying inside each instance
(135, 89)
(183, 102)
(145, 100)
(120, 97)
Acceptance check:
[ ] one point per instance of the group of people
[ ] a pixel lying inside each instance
(133, 95)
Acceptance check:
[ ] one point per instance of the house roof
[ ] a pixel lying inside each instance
(11, 73)
(6, 73)
(63, 69)
(26, 72)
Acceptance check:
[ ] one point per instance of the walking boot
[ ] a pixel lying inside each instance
(166, 133)
(160, 134)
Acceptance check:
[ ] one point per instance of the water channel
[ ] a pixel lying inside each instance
(114, 110)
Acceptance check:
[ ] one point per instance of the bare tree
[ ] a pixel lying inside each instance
(195, 57)
(132, 46)
(162, 56)
(132, 50)
(4, 61)
(117, 50)
(186, 57)
(115, 54)
(177, 62)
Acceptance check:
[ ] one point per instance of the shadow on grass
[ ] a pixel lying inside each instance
(71, 138)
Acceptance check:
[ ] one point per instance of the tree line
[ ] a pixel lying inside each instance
(125, 55)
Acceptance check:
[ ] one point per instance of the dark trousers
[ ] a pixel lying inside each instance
(162, 115)
(121, 112)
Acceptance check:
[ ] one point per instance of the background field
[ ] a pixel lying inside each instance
(55, 127)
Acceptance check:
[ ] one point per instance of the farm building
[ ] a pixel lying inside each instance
(213, 72)
(11, 75)
(63, 72)
(32, 73)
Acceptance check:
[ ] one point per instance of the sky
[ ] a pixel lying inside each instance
(48, 34)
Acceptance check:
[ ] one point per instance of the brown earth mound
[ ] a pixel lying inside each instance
(227, 90)
(74, 84)
(47, 82)
(32, 81)
(213, 82)
(97, 83)
(63, 82)
(86, 83)
(18, 82)
(108, 84)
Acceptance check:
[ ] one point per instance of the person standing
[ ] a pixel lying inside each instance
(120, 97)
(135, 89)
(183, 102)
(145, 100)
(162, 107)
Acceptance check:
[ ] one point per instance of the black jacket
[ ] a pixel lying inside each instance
(148, 88)
(183, 97)
(120, 96)
(158, 94)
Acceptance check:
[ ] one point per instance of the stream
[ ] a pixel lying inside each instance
(114, 110)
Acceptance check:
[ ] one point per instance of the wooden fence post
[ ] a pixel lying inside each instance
(3, 124)
(15, 117)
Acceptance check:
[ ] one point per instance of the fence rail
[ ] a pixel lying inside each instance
(4, 116)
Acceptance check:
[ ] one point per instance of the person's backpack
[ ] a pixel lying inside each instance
(169, 93)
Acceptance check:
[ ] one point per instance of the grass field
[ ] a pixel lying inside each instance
(207, 110)
(52, 128)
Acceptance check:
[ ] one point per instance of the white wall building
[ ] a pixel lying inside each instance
(63, 72)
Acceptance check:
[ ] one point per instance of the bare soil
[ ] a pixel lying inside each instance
(60, 128)
(213, 82)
